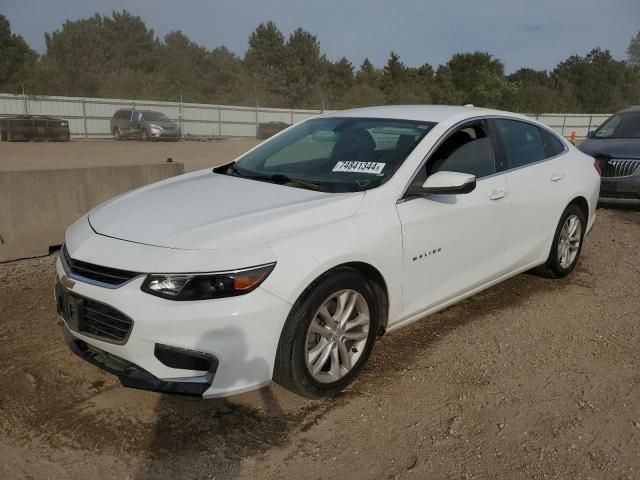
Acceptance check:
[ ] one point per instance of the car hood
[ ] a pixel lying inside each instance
(615, 147)
(209, 211)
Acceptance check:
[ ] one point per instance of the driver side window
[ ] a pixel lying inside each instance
(466, 150)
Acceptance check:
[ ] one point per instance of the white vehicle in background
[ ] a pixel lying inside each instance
(287, 263)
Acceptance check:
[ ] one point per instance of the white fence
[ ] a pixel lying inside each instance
(89, 117)
(567, 123)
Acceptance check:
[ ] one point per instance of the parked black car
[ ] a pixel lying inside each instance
(34, 127)
(267, 130)
(144, 125)
(616, 146)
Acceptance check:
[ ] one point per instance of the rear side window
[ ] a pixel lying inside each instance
(121, 114)
(522, 142)
(552, 144)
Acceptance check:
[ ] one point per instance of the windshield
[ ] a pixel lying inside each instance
(155, 116)
(621, 125)
(334, 154)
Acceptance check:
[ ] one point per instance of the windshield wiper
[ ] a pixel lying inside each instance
(286, 180)
(279, 178)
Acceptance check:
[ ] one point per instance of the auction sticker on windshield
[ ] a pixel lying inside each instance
(360, 167)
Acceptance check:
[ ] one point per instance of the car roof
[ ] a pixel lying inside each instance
(635, 108)
(426, 113)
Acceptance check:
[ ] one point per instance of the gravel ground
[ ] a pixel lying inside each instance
(534, 378)
(91, 153)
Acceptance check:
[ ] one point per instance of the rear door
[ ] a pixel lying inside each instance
(537, 180)
(454, 243)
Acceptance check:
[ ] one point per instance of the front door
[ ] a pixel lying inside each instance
(454, 243)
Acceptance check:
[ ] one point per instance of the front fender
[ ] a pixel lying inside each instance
(374, 238)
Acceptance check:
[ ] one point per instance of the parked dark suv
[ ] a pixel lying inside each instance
(616, 147)
(144, 125)
(34, 127)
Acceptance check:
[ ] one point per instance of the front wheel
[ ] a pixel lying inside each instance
(144, 135)
(328, 335)
(567, 243)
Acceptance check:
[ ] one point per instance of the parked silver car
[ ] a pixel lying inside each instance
(144, 125)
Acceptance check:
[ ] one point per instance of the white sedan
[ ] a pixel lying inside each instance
(287, 263)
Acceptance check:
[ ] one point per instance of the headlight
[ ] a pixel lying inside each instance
(155, 127)
(204, 286)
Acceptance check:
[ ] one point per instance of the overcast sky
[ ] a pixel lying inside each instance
(534, 33)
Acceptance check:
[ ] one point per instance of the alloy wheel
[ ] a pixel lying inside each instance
(337, 336)
(569, 241)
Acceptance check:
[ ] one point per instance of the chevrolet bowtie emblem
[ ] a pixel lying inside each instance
(67, 282)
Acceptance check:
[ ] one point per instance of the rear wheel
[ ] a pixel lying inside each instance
(328, 336)
(567, 243)
(116, 134)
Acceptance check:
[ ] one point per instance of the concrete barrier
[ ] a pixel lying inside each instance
(37, 206)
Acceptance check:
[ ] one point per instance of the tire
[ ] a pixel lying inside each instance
(556, 265)
(292, 368)
(116, 134)
(144, 135)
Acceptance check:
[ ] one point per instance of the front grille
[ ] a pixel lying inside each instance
(93, 318)
(108, 275)
(619, 167)
(104, 321)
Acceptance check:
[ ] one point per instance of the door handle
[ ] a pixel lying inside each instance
(497, 194)
(557, 177)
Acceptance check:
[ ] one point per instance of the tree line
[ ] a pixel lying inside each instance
(118, 56)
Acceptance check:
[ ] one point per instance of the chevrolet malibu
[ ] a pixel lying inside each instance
(287, 263)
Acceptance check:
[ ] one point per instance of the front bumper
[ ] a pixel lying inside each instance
(166, 134)
(132, 376)
(620, 190)
(240, 333)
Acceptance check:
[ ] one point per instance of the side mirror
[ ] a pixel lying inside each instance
(449, 183)
(591, 134)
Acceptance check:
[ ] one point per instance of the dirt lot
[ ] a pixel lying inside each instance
(90, 153)
(533, 378)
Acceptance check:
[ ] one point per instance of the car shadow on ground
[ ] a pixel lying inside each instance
(195, 438)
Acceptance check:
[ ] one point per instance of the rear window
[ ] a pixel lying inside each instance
(552, 144)
(522, 142)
